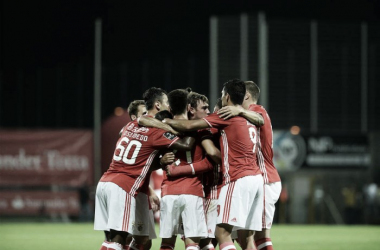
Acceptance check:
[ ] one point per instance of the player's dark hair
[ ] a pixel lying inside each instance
(236, 90)
(253, 89)
(194, 97)
(178, 101)
(152, 95)
(133, 107)
(163, 114)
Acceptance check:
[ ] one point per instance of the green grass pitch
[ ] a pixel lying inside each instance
(81, 236)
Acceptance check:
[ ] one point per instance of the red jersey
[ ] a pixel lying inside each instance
(186, 184)
(134, 154)
(238, 146)
(265, 147)
(213, 180)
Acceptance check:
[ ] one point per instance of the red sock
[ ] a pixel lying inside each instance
(167, 247)
(104, 245)
(264, 244)
(227, 246)
(192, 246)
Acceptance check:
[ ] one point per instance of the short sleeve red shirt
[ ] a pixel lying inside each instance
(238, 142)
(134, 154)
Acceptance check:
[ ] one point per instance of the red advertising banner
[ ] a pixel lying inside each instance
(39, 203)
(46, 157)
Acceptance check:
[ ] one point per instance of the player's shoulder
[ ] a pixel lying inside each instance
(211, 116)
(131, 125)
(134, 127)
(257, 108)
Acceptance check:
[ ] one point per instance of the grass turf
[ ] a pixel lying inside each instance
(81, 236)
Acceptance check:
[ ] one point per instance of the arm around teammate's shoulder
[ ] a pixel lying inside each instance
(232, 111)
(151, 122)
(212, 151)
(186, 125)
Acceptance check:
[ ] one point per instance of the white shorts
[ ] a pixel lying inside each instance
(240, 203)
(211, 206)
(271, 194)
(186, 209)
(152, 226)
(116, 209)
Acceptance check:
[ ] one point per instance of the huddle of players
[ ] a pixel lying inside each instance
(214, 184)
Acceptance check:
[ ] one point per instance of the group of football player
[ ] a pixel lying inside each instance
(219, 183)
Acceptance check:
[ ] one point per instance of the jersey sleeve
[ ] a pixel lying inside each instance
(258, 109)
(205, 134)
(214, 121)
(163, 138)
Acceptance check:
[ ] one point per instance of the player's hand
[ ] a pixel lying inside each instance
(154, 201)
(229, 111)
(173, 131)
(167, 159)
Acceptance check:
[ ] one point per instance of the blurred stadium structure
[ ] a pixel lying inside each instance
(318, 77)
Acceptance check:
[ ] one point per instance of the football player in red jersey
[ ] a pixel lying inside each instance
(212, 180)
(272, 181)
(182, 197)
(136, 109)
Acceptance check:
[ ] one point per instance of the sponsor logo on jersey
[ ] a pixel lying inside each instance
(141, 130)
(130, 127)
(169, 135)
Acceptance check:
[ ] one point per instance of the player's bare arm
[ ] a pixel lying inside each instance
(231, 111)
(212, 151)
(184, 144)
(154, 123)
(186, 125)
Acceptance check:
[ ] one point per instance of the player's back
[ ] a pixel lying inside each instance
(238, 146)
(265, 146)
(134, 154)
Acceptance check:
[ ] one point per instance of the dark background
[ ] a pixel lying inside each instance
(47, 51)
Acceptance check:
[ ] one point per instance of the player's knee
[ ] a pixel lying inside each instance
(118, 236)
(265, 233)
(222, 231)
